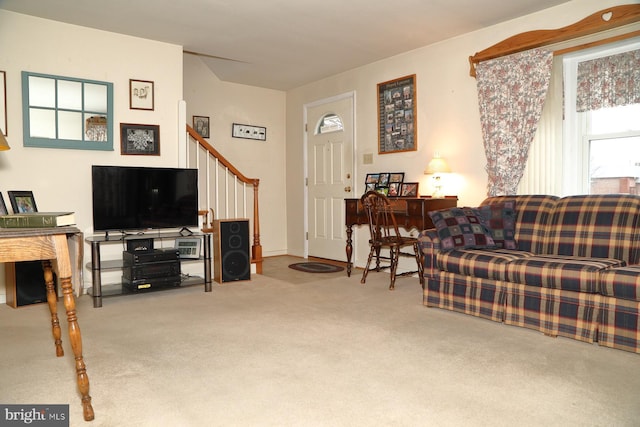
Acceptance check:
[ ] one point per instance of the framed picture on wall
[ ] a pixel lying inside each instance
(201, 125)
(140, 94)
(397, 115)
(139, 139)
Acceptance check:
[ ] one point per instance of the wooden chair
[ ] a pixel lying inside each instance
(385, 235)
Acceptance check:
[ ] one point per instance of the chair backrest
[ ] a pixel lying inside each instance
(382, 221)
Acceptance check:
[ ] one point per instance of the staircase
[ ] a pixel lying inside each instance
(225, 192)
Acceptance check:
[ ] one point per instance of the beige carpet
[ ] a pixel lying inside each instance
(324, 353)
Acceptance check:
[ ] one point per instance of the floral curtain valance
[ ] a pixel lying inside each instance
(611, 81)
(511, 94)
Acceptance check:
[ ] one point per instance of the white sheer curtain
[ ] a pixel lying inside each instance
(541, 175)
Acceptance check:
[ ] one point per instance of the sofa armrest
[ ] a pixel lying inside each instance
(429, 244)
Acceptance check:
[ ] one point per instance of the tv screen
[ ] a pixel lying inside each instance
(139, 198)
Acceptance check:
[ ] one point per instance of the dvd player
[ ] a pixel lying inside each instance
(157, 255)
(157, 282)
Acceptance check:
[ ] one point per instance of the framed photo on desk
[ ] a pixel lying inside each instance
(3, 207)
(409, 189)
(22, 202)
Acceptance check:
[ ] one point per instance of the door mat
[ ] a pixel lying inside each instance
(316, 267)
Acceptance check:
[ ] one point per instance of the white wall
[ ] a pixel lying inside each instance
(227, 103)
(61, 179)
(447, 114)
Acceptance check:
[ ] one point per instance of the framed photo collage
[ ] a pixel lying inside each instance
(391, 184)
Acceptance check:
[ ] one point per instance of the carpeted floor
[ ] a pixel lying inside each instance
(329, 352)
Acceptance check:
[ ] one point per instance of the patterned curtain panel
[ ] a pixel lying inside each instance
(611, 81)
(511, 93)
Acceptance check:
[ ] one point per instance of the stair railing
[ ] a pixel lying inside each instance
(225, 190)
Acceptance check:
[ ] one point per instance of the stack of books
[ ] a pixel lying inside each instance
(37, 220)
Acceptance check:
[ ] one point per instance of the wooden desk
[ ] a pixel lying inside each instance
(51, 246)
(409, 212)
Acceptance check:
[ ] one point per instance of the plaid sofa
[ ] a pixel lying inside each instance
(574, 270)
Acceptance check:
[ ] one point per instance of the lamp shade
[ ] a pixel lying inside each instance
(437, 165)
(4, 145)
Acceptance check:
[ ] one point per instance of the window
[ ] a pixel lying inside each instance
(613, 143)
(602, 146)
(64, 112)
(329, 123)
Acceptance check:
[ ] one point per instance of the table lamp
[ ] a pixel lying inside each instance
(436, 167)
(4, 145)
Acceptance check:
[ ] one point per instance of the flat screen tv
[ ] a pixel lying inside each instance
(129, 198)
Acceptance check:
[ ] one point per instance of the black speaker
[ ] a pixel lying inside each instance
(25, 283)
(231, 250)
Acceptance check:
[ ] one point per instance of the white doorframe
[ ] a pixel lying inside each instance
(305, 141)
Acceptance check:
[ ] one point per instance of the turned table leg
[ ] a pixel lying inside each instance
(52, 300)
(76, 344)
(64, 273)
(349, 249)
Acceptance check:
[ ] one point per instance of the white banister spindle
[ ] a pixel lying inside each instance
(222, 188)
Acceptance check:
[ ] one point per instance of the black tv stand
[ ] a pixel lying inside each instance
(121, 232)
(97, 266)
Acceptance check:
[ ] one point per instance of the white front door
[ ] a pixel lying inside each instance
(330, 176)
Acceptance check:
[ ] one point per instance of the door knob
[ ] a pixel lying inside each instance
(347, 189)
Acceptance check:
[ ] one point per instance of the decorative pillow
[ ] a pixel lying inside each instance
(501, 220)
(461, 228)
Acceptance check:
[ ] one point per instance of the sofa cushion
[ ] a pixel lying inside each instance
(501, 220)
(622, 282)
(555, 272)
(461, 228)
(597, 226)
(484, 263)
(533, 213)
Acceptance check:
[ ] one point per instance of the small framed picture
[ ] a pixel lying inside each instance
(3, 207)
(140, 94)
(248, 132)
(372, 178)
(394, 189)
(201, 125)
(22, 202)
(139, 139)
(188, 247)
(370, 186)
(409, 189)
(383, 181)
(396, 177)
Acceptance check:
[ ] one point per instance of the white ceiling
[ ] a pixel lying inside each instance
(283, 44)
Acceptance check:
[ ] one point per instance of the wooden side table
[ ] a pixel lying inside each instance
(410, 212)
(51, 244)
